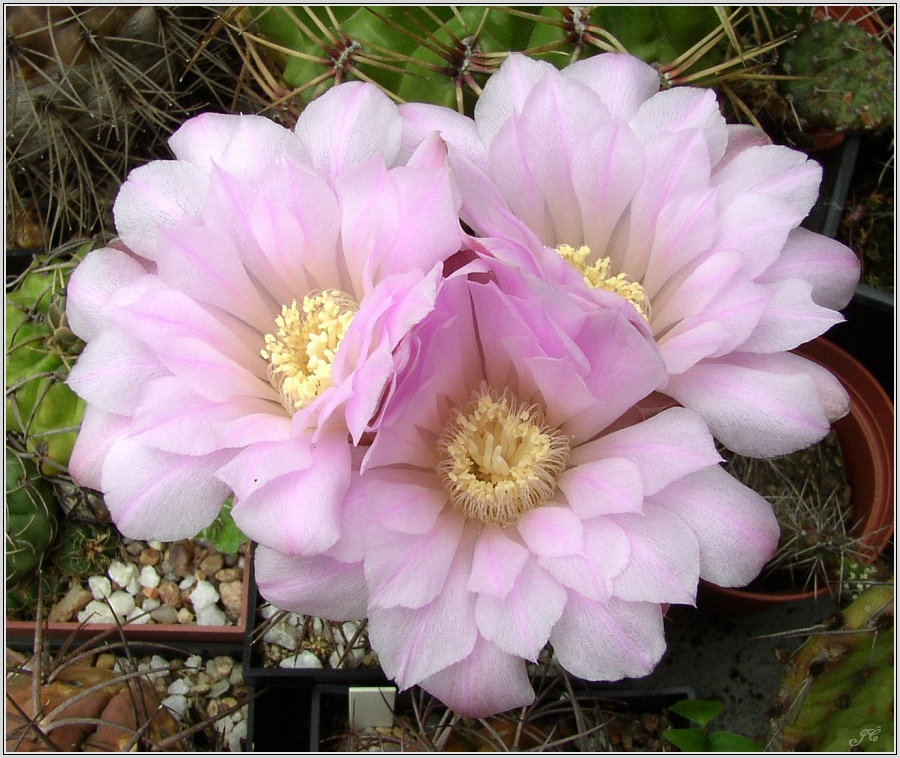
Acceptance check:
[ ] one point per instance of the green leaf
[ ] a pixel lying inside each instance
(688, 740)
(699, 711)
(729, 742)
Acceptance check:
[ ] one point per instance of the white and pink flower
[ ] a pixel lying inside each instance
(247, 329)
(650, 194)
(511, 497)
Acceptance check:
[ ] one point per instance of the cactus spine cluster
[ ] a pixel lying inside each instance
(444, 54)
(90, 92)
(844, 78)
(837, 691)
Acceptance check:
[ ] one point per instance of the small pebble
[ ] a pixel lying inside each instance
(165, 614)
(232, 595)
(185, 616)
(105, 661)
(75, 600)
(212, 563)
(150, 557)
(237, 736)
(100, 586)
(228, 575)
(303, 660)
(125, 575)
(187, 582)
(204, 595)
(150, 604)
(134, 548)
(149, 577)
(211, 615)
(178, 704)
(179, 687)
(169, 593)
(180, 556)
(224, 664)
(96, 612)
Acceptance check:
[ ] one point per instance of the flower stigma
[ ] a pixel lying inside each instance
(499, 459)
(596, 275)
(302, 350)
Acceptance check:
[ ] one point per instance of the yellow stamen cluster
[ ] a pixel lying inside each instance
(499, 459)
(301, 352)
(597, 275)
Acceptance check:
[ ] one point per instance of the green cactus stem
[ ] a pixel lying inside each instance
(30, 516)
(837, 693)
(844, 78)
(85, 548)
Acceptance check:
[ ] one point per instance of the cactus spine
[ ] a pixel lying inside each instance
(837, 690)
(845, 78)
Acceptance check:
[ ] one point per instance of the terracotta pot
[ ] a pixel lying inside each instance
(866, 436)
(23, 631)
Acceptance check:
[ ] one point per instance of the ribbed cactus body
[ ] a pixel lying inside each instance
(40, 350)
(30, 517)
(845, 78)
(837, 691)
(84, 548)
(444, 54)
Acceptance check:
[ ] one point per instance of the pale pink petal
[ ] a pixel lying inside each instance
(601, 486)
(99, 431)
(831, 268)
(298, 512)
(790, 319)
(623, 82)
(665, 448)
(158, 195)
(664, 562)
(754, 407)
(204, 264)
(772, 170)
(171, 417)
(564, 113)
(736, 528)
(414, 643)
(742, 137)
(241, 145)
(506, 91)
(93, 282)
(407, 501)
(578, 573)
(411, 570)
(459, 132)
(348, 126)
(496, 563)
(681, 109)
(140, 486)
(112, 370)
(608, 641)
(315, 585)
(674, 165)
(551, 531)
(521, 622)
(461, 686)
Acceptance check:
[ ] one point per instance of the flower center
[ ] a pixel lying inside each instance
(499, 459)
(301, 352)
(596, 275)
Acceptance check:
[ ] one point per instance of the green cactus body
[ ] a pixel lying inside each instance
(30, 517)
(837, 691)
(84, 548)
(40, 350)
(845, 78)
(444, 54)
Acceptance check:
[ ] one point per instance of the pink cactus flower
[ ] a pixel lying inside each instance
(512, 497)
(650, 194)
(246, 330)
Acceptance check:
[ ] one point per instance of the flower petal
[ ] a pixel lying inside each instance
(314, 585)
(608, 641)
(497, 562)
(99, 431)
(602, 486)
(735, 527)
(520, 623)
(623, 82)
(461, 686)
(348, 126)
(141, 484)
(664, 562)
(158, 195)
(551, 531)
(760, 405)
